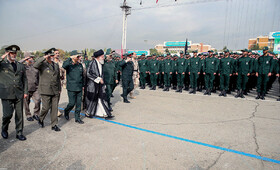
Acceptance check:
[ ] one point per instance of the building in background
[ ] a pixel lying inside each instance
(275, 36)
(177, 46)
(260, 42)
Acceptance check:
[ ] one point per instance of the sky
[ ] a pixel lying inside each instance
(97, 24)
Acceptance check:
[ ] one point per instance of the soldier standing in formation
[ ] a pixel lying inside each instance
(153, 71)
(13, 89)
(167, 71)
(143, 68)
(194, 71)
(209, 70)
(180, 72)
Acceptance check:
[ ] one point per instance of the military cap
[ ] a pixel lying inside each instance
(98, 53)
(12, 48)
(265, 48)
(195, 51)
(249, 51)
(50, 51)
(154, 54)
(181, 52)
(167, 53)
(210, 51)
(221, 53)
(187, 53)
(215, 53)
(245, 50)
(226, 51)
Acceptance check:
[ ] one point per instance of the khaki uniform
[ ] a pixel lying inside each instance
(49, 88)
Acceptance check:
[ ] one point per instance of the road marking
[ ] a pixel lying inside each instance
(188, 140)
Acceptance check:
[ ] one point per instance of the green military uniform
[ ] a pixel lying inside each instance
(74, 86)
(110, 77)
(244, 67)
(264, 67)
(181, 70)
(49, 88)
(174, 69)
(226, 67)
(167, 70)
(143, 68)
(194, 68)
(187, 76)
(153, 70)
(127, 81)
(161, 76)
(13, 85)
(210, 67)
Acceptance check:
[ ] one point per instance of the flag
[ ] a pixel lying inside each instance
(157, 1)
(186, 46)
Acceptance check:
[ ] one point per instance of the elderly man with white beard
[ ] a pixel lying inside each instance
(96, 96)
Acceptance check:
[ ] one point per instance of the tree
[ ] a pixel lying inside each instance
(166, 50)
(255, 47)
(225, 48)
(154, 51)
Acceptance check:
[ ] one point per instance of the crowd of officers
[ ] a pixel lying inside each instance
(43, 79)
(226, 72)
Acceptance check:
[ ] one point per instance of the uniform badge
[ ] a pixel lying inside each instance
(143, 64)
(175, 64)
(246, 63)
(228, 63)
(168, 63)
(212, 62)
(267, 62)
(196, 62)
(154, 64)
(182, 63)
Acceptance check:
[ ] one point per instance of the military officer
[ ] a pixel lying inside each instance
(160, 75)
(244, 68)
(143, 67)
(194, 71)
(153, 71)
(264, 69)
(13, 89)
(127, 72)
(180, 72)
(225, 71)
(209, 70)
(49, 87)
(187, 76)
(110, 78)
(75, 83)
(32, 75)
(167, 71)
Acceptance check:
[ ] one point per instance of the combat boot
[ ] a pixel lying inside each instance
(258, 96)
(194, 91)
(225, 93)
(238, 94)
(222, 93)
(165, 88)
(179, 89)
(206, 92)
(241, 94)
(262, 96)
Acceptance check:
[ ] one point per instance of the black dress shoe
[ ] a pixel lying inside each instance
(4, 134)
(79, 121)
(55, 128)
(126, 101)
(41, 123)
(109, 117)
(36, 117)
(66, 116)
(21, 137)
(30, 119)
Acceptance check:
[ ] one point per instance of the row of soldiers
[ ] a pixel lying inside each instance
(226, 71)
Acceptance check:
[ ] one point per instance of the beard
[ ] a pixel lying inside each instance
(101, 61)
(12, 58)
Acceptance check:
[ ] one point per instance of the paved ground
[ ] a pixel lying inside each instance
(155, 133)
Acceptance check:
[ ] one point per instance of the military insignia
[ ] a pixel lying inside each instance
(212, 62)
(246, 63)
(6, 70)
(196, 62)
(168, 63)
(14, 49)
(228, 63)
(267, 62)
(154, 64)
(52, 51)
(182, 63)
